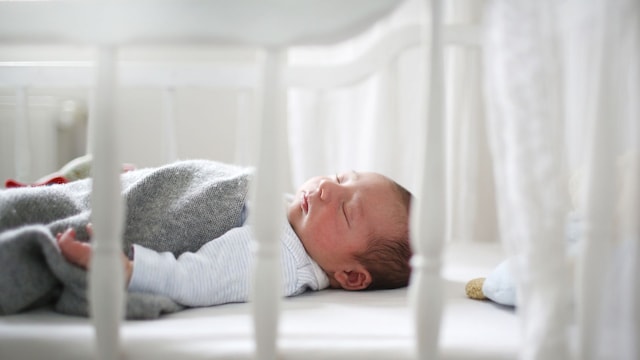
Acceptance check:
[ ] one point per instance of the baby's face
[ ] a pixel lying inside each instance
(334, 216)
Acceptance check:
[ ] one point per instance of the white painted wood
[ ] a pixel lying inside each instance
(106, 275)
(428, 212)
(251, 22)
(232, 75)
(49, 73)
(374, 59)
(268, 218)
(81, 74)
(378, 56)
(269, 24)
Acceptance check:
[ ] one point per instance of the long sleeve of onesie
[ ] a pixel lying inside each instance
(220, 271)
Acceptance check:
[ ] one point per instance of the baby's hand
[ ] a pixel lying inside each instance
(76, 252)
(79, 253)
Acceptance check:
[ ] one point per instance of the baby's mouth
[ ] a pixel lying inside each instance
(304, 203)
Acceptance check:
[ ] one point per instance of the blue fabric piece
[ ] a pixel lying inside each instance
(500, 285)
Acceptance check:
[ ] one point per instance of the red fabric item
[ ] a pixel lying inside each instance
(10, 183)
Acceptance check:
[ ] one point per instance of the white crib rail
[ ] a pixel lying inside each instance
(425, 296)
(240, 77)
(382, 53)
(273, 175)
(374, 59)
(259, 23)
(184, 21)
(428, 216)
(106, 278)
(130, 73)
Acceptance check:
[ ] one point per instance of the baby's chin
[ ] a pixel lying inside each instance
(294, 213)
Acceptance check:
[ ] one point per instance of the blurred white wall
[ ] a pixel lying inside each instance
(205, 119)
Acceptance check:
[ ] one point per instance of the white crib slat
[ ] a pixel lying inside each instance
(106, 278)
(268, 218)
(180, 22)
(188, 21)
(428, 213)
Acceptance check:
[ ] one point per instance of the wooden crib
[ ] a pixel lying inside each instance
(431, 319)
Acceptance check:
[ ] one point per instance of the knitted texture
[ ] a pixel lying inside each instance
(178, 207)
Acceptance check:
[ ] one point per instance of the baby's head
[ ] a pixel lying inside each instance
(356, 227)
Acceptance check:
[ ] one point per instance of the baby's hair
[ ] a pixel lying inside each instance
(387, 256)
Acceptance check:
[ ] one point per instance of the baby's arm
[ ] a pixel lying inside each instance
(79, 253)
(218, 273)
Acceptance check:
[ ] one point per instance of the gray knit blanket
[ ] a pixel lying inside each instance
(177, 208)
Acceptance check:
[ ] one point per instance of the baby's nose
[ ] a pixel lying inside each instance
(324, 191)
(328, 190)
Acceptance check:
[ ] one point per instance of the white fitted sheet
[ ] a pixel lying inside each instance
(330, 324)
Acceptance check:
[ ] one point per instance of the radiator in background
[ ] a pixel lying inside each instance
(40, 133)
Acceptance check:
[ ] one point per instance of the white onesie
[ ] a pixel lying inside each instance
(220, 271)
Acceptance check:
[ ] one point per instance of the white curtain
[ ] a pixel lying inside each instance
(562, 88)
(542, 125)
(522, 69)
(377, 124)
(364, 126)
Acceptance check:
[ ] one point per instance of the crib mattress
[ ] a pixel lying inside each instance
(330, 324)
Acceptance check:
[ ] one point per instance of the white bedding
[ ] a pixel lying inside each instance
(329, 324)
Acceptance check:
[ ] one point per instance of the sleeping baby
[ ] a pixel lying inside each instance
(187, 239)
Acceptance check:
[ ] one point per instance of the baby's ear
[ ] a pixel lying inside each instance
(358, 278)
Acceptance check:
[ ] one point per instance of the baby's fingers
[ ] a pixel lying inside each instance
(74, 251)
